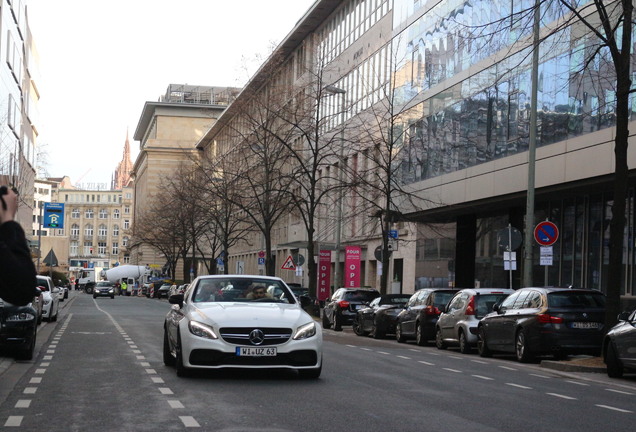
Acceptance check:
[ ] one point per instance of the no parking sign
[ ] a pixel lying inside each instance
(546, 233)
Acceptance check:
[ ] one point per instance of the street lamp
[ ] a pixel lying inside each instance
(336, 273)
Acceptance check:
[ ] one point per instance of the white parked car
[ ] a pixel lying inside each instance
(229, 321)
(50, 296)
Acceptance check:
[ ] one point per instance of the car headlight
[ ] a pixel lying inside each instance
(305, 331)
(21, 316)
(201, 330)
(111, 290)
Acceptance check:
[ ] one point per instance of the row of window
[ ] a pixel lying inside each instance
(103, 213)
(87, 248)
(102, 231)
(96, 198)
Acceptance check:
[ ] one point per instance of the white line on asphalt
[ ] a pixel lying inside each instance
(562, 396)
(157, 380)
(366, 349)
(620, 391)
(404, 357)
(484, 377)
(479, 361)
(30, 390)
(189, 421)
(35, 380)
(47, 357)
(23, 403)
(456, 358)
(508, 368)
(140, 357)
(426, 363)
(383, 352)
(151, 371)
(577, 383)
(145, 364)
(165, 390)
(351, 346)
(45, 364)
(175, 404)
(434, 354)
(519, 386)
(136, 351)
(414, 350)
(614, 408)
(452, 370)
(14, 421)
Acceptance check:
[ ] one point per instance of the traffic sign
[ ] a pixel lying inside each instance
(53, 215)
(546, 233)
(509, 238)
(288, 264)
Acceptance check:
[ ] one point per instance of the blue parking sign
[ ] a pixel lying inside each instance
(53, 215)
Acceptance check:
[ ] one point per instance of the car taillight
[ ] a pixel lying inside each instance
(343, 304)
(548, 319)
(432, 310)
(470, 309)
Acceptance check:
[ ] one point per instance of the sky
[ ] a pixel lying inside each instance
(101, 61)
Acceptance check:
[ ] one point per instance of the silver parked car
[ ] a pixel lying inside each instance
(619, 346)
(457, 325)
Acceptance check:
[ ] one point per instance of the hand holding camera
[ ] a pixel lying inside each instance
(9, 201)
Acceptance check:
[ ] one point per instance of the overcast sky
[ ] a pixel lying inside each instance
(101, 61)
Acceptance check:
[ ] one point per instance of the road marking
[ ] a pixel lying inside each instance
(151, 371)
(366, 349)
(157, 380)
(452, 370)
(434, 354)
(577, 383)
(426, 363)
(175, 404)
(47, 357)
(614, 408)
(539, 376)
(30, 390)
(404, 357)
(13, 421)
(414, 350)
(351, 346)
(136, 351)
(145, 364)
(519, 386)
(23, 403)
(562, 396)
(45, 364)
(189, 421)
(479, 361)
(51, 351)
(620, 391)
(35, 380)
(384, 352)
(456, 358)
(484, 377)
(508, 368)
(165, 390)
(140, 357)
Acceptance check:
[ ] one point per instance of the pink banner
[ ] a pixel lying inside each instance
(352, 266)
(324, 275)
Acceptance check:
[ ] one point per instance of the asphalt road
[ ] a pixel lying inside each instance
(99, 368)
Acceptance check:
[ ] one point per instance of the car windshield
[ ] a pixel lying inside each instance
(104, 284)
(485, 302)
(442, 298)
(245, 289)
(394, 299)
(575, 299)
(360, 296)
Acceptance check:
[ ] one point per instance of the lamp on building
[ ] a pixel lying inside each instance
(336, 273)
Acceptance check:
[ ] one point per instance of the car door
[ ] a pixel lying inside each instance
(448, 320)
(626, 342)
(511, 319)
(330, 306)
(412, 311)
(494, 324)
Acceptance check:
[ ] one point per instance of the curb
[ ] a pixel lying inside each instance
(571, 367)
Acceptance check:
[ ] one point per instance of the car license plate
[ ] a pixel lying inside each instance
(256, 351)
(586, 325)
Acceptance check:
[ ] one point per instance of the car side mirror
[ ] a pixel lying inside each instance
(497, 308)
(37, 292)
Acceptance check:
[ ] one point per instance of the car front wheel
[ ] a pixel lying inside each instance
(357, 328)
(614, 366)
(439, 341)
(420, 339)
(398, 333)
(325, 320)
(182, 370)
(337, 322)
(521, 347)
(482, 346)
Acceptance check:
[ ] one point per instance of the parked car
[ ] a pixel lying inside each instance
(619, 345)
(50, 299)
(308, 302)
(457, 324)
(164, 291)
(225, 329)
(379, 318)
(60, 294)
(18, 327)
(417, 320)
(539, 321)
(342, 307)
(104, 289)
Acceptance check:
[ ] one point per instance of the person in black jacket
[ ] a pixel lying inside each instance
(17, 271)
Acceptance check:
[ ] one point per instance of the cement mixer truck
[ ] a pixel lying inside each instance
(129, 274)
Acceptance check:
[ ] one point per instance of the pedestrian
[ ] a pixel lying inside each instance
(124, 288)
(17, 271)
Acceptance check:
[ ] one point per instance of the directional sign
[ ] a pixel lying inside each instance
(289, 264)
(53, 215)
(546, 233)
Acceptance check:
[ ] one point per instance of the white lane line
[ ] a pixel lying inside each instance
(175, 404)
(35, 380)
(366, 349)
(30, 390)
(452, 370)
(404, 357)
(414, 350)
(484, 377)
(47, 357)
(145, 364)
(45, 364)
(615, 409)
(519, 386)
(620, 391)
(434, 354)
(140, 357)
(189, 421)
(577, 383)
(157, 380)
(151, 371)
(562, 396)
(383, 352)
(136, 351)
(23, 403)
(165, 390)
(479, 361)
(456, 358)
(426, 363)
(508, 368)
(13, 421)
(351, 346)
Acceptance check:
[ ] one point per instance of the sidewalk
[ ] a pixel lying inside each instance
(576, 364)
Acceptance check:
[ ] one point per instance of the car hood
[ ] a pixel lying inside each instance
(250, 314)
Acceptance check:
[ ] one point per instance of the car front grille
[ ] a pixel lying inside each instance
(206, 357)
(241, 335)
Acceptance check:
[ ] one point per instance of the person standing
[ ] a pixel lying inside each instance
(17, 271)
(124, 288)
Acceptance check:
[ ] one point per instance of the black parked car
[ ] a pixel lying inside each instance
(18, 328)
(538, 321)
(417, 320)
(380, 317)
(342, 307)
(619, 345)
(164, 291)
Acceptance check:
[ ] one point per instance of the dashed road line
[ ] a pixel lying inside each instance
(615, 409)
(577, 383)
(620, 391)
(484, 377)
(452, 370)
(189, 421)
(562, 396)
(519, 386)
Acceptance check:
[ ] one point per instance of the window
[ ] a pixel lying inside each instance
(127, 210)
(126, 224)
(75, 230)
(75, 214)
(115, 230)
(88, 248)
(126, 259)
(103, 231)
(88, 230)
(74, 248)
(115, 248)
(88, 214)
(125, 242)
(101, 248)
(116, 214)
(103, 214)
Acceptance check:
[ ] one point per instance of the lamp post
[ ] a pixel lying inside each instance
(336, 273)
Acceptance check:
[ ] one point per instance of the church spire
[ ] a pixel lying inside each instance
(124, 168)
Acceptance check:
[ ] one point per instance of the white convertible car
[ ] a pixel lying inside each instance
(234, 321)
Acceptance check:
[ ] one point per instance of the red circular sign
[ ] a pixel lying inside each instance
(546, 233)
(261, 254)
